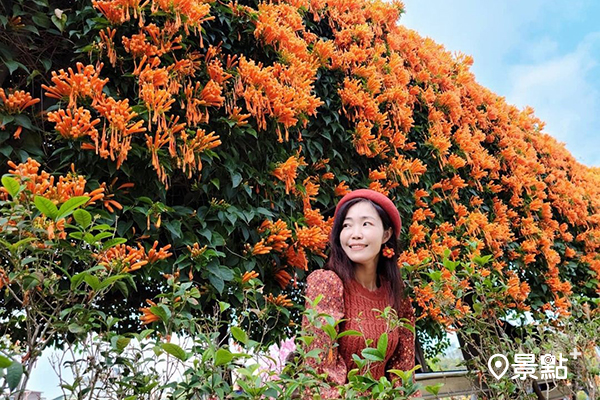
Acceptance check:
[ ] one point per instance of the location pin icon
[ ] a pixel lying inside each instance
(496, 365)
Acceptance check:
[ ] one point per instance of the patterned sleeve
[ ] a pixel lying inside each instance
(404, 356)
(331, 287)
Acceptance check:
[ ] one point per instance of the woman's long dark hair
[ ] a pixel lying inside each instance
(387, 268)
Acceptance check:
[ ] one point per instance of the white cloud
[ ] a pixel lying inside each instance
(563, 93)
(521, 52)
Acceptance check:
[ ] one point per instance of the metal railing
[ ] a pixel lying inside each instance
(457, 383)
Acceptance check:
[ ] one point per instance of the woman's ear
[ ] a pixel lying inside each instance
(387, 234)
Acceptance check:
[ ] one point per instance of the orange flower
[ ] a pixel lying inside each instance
(85, 82)
(283, 278)
(278, 234)
(312, 238)
(387, 252)
(240, 119)
(249, 275)
(196, 251)
(161, 254)
(327, 176)
(416, 233)
(296, 258)
(148, 316)
(107, 40)
(74, 126)
(4, 281)
(281, 300)
(377, 175)
(261, 248)
(288, 170)
(341, 189)
(16, 102)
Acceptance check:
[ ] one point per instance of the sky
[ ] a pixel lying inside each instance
(539, 53)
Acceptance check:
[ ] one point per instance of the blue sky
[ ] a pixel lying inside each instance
(545, 54)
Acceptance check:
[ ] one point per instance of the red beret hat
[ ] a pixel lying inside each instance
(378, 198)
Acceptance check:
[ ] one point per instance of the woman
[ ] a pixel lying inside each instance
(361, 275)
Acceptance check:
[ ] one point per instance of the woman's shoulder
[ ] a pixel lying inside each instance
(324, 281)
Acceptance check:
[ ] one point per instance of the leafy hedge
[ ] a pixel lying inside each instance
(228, 131)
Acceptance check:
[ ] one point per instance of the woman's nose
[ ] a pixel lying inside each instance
(356, 232)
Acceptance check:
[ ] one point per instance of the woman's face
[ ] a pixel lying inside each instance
(362, 234)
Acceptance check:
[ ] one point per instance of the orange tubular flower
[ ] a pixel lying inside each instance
(4, 281)
(249, 275)
(161, 254)
(240, 119)
(148, 316)
(123, 258)
(261, 248)
(283, 278)
(296, 258)
(107, 40)
(281, 300)
(278, 234)
(342, 189)
(85, 82)
(312, 238)
(288, 170)
(16, 102)
(74, 126)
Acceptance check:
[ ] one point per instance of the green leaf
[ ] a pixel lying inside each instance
(83, 218)
(12, 65)
(113, 242)
(239, 335)
(174, 227)
(331, 332)
(6, 150)
(224, 306)
(236, 179)
(41, 19)
(5, 362)
(59, 23)
(372, 354)
(13, 375)
(22, 242)
(102, 235)
(75, 328)
(123, 342)
(24, 121)
(160, 312)
(434, 389)
(70, 205)
(11, 185)
(45, 206)
(314, 353)
(217, 282)
(175, 351)
(223, 356)
(93, 281)
(77, 279)
(382, 343)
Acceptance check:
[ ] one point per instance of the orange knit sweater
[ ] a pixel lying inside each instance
(356, 304)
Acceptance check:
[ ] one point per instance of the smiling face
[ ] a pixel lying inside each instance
(362, 234)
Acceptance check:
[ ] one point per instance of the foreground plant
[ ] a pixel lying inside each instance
(58, 260)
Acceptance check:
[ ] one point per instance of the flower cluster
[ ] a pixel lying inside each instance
(123, 258)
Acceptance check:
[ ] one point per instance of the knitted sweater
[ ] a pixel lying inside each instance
(356, 304)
